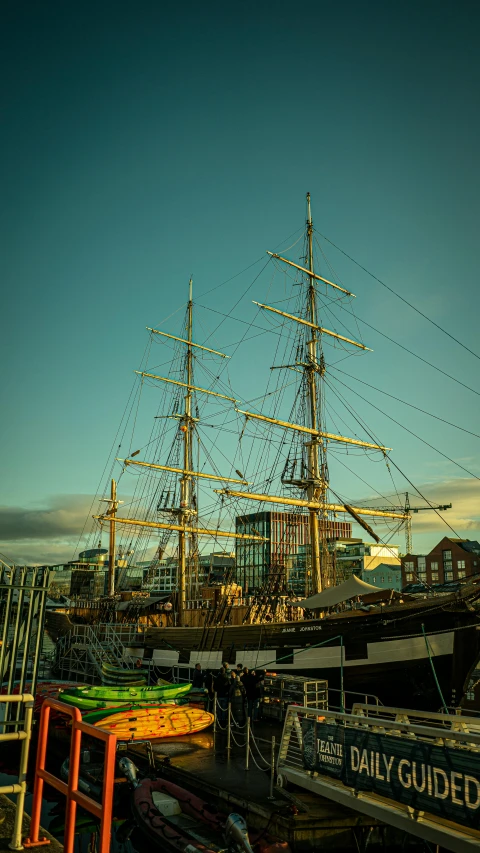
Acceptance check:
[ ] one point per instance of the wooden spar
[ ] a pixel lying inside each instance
(183, 471)
(312, 326)
(186, 385)
(361, 522)
(310, 273)
(315, 505)
(300, 428)
(158, 525)
(190, 343)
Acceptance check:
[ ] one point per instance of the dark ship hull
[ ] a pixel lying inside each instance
(411, 654)
(408, 655)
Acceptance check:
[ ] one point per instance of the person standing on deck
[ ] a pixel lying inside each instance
(259, 694)
(198, 677)
(250, 683)
(237, 698)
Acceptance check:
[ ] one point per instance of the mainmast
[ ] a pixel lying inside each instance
(186, 510)
(316, 488)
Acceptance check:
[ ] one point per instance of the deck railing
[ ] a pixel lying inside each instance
(24, 735)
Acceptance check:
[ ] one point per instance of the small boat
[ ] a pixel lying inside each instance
(128, 694)
(156, 722)
(174, 818)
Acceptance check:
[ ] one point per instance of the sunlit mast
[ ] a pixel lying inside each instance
(187, 526)
(186, 510)
(315, 484)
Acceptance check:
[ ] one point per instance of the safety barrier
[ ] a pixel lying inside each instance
(20, 787)
(417, 771)
(74, 796)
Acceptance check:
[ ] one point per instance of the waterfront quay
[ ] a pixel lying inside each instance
(203, 764)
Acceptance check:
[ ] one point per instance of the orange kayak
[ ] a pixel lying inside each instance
(156, 722)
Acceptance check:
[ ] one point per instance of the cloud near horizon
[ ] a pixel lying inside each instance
(46, 534)
(50, 533)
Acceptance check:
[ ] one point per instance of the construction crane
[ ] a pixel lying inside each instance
(408, 510)
(408, 522)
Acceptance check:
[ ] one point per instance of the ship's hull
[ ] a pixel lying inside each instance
(408, 656)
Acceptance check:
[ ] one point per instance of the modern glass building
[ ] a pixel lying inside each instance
(284, 554)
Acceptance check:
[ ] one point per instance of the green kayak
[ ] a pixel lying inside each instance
(123, 682)
(93, 717)
(90, 704)
(127, 694)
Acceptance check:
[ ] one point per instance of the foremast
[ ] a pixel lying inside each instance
(186, 513)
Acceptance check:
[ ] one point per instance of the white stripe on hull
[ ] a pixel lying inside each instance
(380, 653)
(325, 657)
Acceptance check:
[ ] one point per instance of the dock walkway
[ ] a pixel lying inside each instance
(201, 764)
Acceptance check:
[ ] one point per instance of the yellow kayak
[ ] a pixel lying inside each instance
(156, 722)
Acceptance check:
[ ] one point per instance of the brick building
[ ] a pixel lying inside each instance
(450, 560)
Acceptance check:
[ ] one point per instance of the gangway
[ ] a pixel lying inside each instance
(418, 772)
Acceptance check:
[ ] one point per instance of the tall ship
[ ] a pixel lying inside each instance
(218, 467)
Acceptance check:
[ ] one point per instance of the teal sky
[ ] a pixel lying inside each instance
(144, 142)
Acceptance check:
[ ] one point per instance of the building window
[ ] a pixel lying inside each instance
(461, 573)
(448, 576)
(434, 566)
(447, 556)
(434, 576)
(421, 563)
(409, 567)
(461, 565)
(409, 577)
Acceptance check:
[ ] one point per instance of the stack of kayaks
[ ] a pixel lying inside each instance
(118, 676)
(97, 698)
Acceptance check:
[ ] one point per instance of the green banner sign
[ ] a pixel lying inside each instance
(440, 780)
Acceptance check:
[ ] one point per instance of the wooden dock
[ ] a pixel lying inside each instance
(306, 821)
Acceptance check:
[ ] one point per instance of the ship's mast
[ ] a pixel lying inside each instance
(316, 489)
(186, 509)
(112, 539)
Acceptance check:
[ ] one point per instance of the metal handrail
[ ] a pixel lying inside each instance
(423, 732)
(344, 693)
(20, 787)
(104, 810)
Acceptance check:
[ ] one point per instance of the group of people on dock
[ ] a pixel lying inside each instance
(241, 688)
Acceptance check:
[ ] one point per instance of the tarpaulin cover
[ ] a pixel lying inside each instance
(335, 594)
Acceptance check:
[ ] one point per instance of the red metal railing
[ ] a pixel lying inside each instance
(103, 810)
